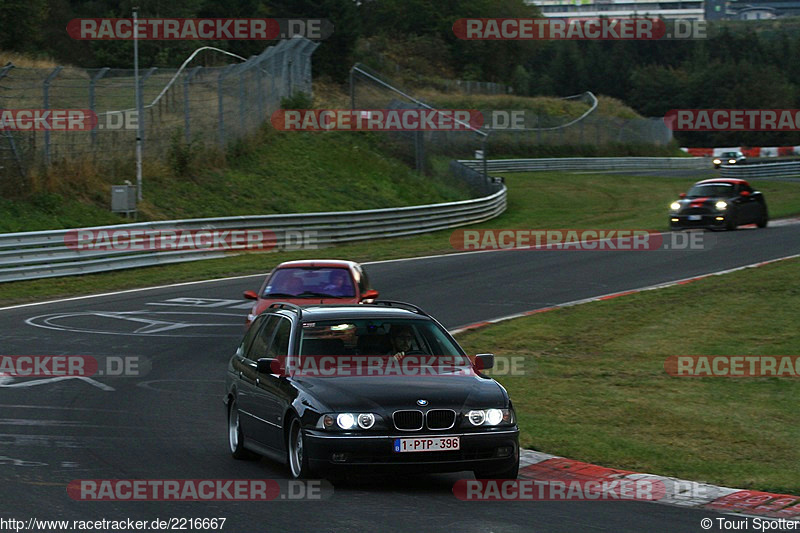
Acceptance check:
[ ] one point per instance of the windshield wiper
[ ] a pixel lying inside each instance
(310, 294)
(279, 295)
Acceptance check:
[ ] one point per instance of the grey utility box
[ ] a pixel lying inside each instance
(123, 199)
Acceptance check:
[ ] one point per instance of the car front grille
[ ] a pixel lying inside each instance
(440, 418)
(414, 420)
(410, 420)
(696, 211)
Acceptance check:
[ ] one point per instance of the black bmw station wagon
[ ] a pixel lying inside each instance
(329, 388)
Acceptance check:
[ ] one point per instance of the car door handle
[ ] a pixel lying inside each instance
(258, 381)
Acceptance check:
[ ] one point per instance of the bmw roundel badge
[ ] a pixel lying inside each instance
(422, 403)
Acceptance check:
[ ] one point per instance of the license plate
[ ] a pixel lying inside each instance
(427, 444)
(695, 217)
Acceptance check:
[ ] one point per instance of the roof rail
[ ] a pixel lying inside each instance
(288, 306)
(393, 303)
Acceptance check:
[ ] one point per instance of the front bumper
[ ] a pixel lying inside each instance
(496, 449)
(706, 220)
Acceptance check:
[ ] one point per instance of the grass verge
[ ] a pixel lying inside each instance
(535, 201)
(595, 388)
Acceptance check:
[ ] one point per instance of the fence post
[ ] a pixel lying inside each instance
(241, 103)
(92, 82)
(221, 104)
(140, 103)
(260, 87)
(289, 73)
(186, 107)
(9, 136)
(46, 105)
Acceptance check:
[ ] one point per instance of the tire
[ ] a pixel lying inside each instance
(509, 473)
(296, 457)
(236, 436)
(764, 220)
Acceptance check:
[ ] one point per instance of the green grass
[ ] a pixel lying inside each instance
(595, 389)
(536, 201)
(299, 173)
(272, 173)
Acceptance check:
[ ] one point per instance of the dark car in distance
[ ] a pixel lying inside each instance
(719, 203)
(444, 417)
(730, 158)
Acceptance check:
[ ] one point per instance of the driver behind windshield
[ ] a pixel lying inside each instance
(403, 341)
(339, 284)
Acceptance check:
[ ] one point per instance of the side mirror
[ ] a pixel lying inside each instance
(484, 361)
(250, 295)
(370, 295)
(745, 193)
(682, 195)
(269, 365)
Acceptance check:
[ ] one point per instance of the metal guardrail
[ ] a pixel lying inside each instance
(589, 163)
(42, 254)
(790, 169)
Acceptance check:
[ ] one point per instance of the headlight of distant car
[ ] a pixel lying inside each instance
(731, 161)
(347, 421)
(489, 417)
(675, 206)
(721, 205)
(717, 161)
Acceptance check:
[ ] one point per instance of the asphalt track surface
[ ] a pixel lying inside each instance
(171, 424)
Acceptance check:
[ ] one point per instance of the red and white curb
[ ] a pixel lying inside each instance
(543, 466)
(749, 151)
(612, 295)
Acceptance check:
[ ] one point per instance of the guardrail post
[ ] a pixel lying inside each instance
(46, 105)
(92, 83)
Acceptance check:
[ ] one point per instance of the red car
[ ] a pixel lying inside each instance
(312, 281)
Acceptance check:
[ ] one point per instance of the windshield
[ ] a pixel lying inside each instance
(730, 155)
(317, 282)
(384, 337)
(710, 189)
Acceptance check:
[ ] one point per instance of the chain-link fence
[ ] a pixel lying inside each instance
(506, 132)
(370, 90)
(194, 104)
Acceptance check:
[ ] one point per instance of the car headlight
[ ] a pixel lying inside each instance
(490, 417)
(721, 205)
(675, 206)
(717, 161)
(732, 161)
(347, 421)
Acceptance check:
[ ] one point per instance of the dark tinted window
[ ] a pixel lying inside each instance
(257, 324)
(280, 341)
(377, 337)
(711, 189)
(261, 342)
(310, 283)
